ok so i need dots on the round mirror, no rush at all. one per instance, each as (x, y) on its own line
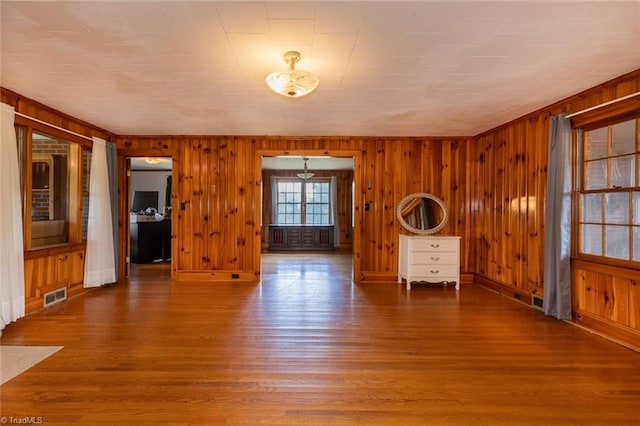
(422, 213)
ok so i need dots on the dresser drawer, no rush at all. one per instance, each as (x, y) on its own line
(436, 272)
(436, 244)
(434, 258)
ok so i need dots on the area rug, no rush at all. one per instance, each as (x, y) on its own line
(17, 359)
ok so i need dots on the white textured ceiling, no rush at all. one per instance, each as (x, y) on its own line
(410, 68)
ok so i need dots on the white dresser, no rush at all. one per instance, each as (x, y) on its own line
(433, 259)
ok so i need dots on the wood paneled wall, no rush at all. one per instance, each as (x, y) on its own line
(494, 185)
(217, 199)
(507, 204)
(49, 115)
(52, 268)
(344, 184)
(507, 185)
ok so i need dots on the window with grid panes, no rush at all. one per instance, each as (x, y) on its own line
(289, 203)
(302, 202)
(609, 223)
(316, 203)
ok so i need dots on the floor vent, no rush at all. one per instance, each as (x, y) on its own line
(536, 301)
(55, 297)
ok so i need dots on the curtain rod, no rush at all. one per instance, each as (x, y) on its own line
(603, 104)
(54, 126)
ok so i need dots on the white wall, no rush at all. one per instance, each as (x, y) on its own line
(150, 181)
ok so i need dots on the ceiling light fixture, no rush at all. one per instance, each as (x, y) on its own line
(152, 160)
(292, 83)
(305, 174)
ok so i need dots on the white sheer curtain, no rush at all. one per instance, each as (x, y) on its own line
(99, 265)
(557, 276)
(11, 244)
(333, 192)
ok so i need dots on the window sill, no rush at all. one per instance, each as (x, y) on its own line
(38, 252)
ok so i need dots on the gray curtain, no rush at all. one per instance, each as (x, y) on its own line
(274, 199)
(557, 277)
(112, 172)
(333, 192)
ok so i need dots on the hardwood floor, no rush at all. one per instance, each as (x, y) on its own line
(306, 346)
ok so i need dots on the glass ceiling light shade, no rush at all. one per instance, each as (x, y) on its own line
(152, 160)
(292, 83)
(305, 174)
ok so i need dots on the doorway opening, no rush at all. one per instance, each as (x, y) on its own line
(150, 183)
(308, 205)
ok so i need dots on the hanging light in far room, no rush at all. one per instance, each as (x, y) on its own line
(152, 160)
(305, 174)
(292, 83)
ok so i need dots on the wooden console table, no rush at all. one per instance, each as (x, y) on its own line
(301, 237)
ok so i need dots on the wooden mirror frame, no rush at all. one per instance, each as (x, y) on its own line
(420, 195)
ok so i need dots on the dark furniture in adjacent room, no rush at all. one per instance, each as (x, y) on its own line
(150, 241)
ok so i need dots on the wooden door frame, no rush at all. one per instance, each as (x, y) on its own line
(358, 210)
(124, 172)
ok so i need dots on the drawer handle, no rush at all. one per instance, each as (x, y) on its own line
(435, 245)
(435, 272)
(435, 258)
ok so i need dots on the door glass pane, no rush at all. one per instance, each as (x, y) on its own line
(595, 176)
(592, 239)
(617, 241)
(50, 191)
(596, 144)
(592, 208)
(623, 138)
(617, 208)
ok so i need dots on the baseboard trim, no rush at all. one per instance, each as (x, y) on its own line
(218, 276)
(608, 330)
(517, 294)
